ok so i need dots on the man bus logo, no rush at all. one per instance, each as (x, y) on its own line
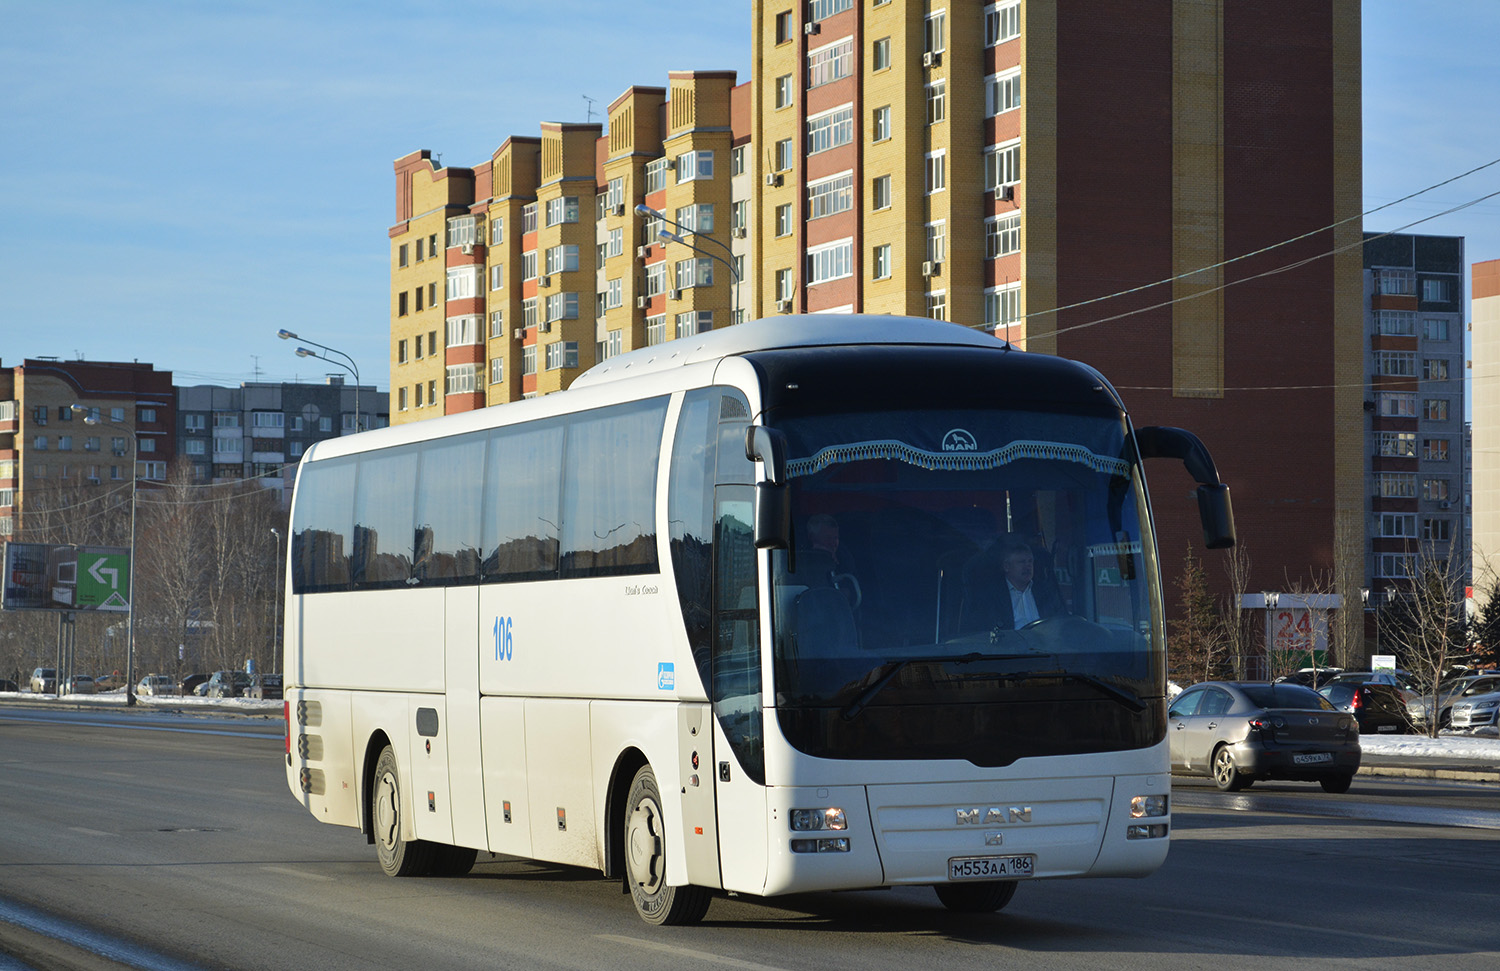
(959, 440)
(992, 815)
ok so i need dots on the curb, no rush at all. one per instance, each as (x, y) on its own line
(1452, 775)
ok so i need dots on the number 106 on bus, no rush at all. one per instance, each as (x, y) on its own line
(502, 639)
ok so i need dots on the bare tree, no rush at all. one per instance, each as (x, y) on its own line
(1425, 623)
(1196, 650)
(1237, 622)
(1346, 625)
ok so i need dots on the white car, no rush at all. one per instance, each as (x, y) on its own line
(156, 686)
(1476, 711)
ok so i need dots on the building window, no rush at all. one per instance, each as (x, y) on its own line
(829, 130)
(656, 279)
(401, 258)
(1396, 323)
(937, 171)
(1396, 364)
(784, 27)
(117, 414)
(267, 419)
(418, 307)
(696, 219)
(563, 209)
(737, 157)
(464, 330)
(463, 282)
(497, 230)
(497, 277)
(400, 356)
(1435, 449)
(1401, 445)
(698, 272)
(1398, 525)
(196, 423)
(1002, 235)
(528, 312)
(459, 379)
(693, 322)
(1395, 566)
(1436, 290)
(784, 91)
(1435, 409)
(1002, 306)
(497, 324)
(497, 370)
(1435, 369)
(155, 471)
(562, 306)
(880, 192)
(614, 291)
(65, 443)
(784, 155)
(880, 126)
(937, 242)
(823, 9)
(656, 175)
(1435, 328)
(832, 261)
(401, 398)
(432, 391)
(739, 215)
(937, 305)
(562, 354)
(784, 284)
(829, 64)
(694, 165)
(937, 102)
(1396, 404)
(528, 359)
(461, 231)
(528, 265)
(1437, 530)
(616, 242)
(195, 446)
(1002, 22)
(1397, 485)
(880, 55)
(1002, 92)
(935, 33)
(881, 261)
(561, 259)
(418, 388)
(1435, 490)
(830, 196)
(1401, 283)
(784, 220)
(401, 299)
(656, 330)
(294, 449)
(1002, 165)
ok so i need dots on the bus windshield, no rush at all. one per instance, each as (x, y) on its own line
(973, 584)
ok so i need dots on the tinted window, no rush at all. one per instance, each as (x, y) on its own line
(690, 518)
(1216, 701)
(447, 524)
(322, 527)
(1339, 694)
(523, 474)
(384, 516)
(1284, 695)
(609, 491)
(1186, 704)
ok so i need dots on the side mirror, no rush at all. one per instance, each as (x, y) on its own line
(1214, 511)
(773, 509)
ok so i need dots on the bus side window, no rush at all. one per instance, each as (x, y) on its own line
(322, 534)
(450, 475)
(385, 497)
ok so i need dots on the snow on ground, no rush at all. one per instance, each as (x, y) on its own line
(192, 702)
(1447, 745)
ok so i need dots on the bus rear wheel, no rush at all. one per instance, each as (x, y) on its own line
(976, 898)
(645, 842)
(398, 857)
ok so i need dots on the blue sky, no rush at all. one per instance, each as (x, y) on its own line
(181, 178)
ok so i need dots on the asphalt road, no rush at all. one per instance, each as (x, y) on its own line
(173, 844)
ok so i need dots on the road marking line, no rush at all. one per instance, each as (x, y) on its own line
(93, 832)
(297, 873)
(687, 953)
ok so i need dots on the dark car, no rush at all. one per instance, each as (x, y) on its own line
(1238, 732)
(1378, 708)
(189, 684)
(1311, 677)
(264, 686)
(227, 684)
(8, 685)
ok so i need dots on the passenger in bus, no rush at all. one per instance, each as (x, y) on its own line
(1003, 589)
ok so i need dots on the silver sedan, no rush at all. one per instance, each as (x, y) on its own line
(1237, 732)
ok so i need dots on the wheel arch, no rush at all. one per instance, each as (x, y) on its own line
(373, 747)
(627, 764)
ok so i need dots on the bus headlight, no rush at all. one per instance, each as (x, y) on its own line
(810, 820)
(1143, 806)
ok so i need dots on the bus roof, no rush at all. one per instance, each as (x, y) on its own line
(790, 330)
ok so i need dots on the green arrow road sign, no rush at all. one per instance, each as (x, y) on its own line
(103, 581)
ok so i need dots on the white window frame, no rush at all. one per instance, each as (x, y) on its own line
(830, 261)
(937, 171)
(1002, 306)
(830, 196)
(1002, 22)
(459, 379)
(1002, 164)
(830, 129)
(465, 329)
(880, 262)
(463, 282)
(562, 209)
(1002, 92)
(830, 63)
(1002, 235)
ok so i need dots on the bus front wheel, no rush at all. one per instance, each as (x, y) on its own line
(645, 842)
(976, 898)
(398, 857)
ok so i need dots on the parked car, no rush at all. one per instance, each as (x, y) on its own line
(110, 682)
(1237, 732)
(1377, 708)
(79, 684)
(190, 684)
(1476, 710)
(1311, 677)
(1449, 693)
(157, 686)
(6, 684)
(264, 686)
(1399, 680)
(44, 681)
(227, 684)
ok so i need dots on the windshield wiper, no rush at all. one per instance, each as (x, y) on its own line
(1131, 701)
(894, 668)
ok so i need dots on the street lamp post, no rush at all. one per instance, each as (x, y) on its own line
(681, 237)
(135, 454)
(351, 367)
(276, 578)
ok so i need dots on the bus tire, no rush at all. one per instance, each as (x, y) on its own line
(453, 861)
(976, 898)
(398, 857)
(645, 843)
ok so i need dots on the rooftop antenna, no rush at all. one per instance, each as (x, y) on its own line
(589, 116)
(256, 359)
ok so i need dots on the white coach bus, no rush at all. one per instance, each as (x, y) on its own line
(748, 611)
